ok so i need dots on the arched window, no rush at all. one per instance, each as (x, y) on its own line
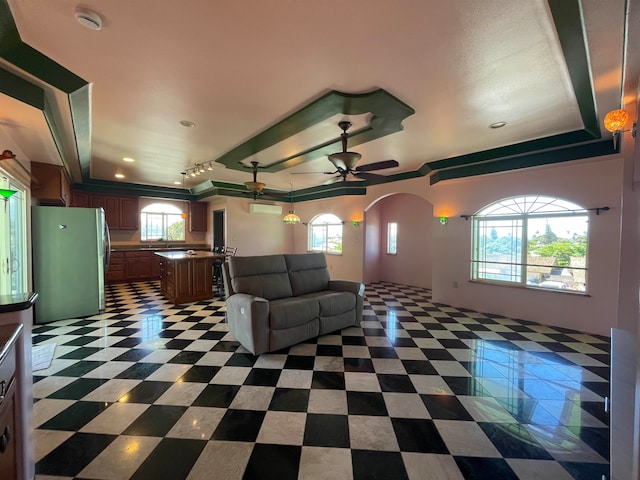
(532, 241)
(325, 234)
(161, 221)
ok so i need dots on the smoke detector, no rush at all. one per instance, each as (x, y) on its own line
(89, 19)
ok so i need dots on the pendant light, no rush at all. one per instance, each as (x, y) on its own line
(291, 218)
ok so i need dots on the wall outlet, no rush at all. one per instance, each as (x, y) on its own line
(455, 284)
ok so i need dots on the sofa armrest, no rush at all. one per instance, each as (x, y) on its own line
(356, 288)
(248, 318)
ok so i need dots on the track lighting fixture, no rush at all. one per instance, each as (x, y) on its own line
(198, 169)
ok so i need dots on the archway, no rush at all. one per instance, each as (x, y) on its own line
(412, 262)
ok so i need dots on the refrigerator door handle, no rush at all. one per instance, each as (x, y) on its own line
(107, 257)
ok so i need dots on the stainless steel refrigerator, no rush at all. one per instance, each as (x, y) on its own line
(70, 249)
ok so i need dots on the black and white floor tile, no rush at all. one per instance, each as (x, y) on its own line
(149, 390)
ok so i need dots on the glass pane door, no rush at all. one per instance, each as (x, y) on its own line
(13, 242)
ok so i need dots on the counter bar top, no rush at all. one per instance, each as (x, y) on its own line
(183, 255)
(17, 302)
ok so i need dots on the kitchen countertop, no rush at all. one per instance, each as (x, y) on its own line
(183, 255)
(17, 302)
(158, 248)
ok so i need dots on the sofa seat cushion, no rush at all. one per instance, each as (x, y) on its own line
(292, 312)
(333, 303)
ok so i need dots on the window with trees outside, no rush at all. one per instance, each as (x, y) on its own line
(392, 238)
(531, 241)
(325, 234)
(161, 222)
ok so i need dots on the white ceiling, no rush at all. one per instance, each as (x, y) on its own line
(237, 67)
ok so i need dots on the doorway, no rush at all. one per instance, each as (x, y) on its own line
(218, 228)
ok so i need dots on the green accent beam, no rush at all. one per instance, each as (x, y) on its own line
(21, 89)
(567, 17)
(23, 56)
(576, 152)
(134, 189)
(387, 115)
(387, 111)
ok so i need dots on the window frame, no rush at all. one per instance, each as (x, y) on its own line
(316, 224)
(520, 224)
(165, 219)
(392, 242)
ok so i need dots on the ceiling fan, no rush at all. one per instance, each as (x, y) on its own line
(345, 162)
(255, 187)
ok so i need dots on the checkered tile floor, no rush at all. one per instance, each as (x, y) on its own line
(421, 391)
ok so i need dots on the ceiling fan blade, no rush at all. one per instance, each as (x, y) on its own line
(368, 176)
(337, 179)
(313, 173)
(377, 166)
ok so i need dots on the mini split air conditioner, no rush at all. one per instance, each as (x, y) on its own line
(264, 209)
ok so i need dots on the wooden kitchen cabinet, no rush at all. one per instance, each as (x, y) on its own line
(8, 412)
(198, 216)
(137, 265)
(80, 198)
(186, 278)
(111, 207)
(133, 266)
(49, 185)
(121, 213)
(115, 274)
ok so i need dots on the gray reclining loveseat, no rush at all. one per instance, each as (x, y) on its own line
(274, 301)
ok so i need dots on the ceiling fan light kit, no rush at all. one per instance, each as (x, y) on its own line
(255, 187)
(345, 161)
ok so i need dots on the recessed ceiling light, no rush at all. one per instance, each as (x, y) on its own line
(177, 183)
(128, 159)
(119, 175)
(497, 125)
(187, 123)
(89, 19)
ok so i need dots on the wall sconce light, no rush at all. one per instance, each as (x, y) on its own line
(444, 221)
(356, 223)
(6, 155)
(614, 121)
(5, 194)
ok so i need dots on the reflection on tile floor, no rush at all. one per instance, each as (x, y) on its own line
(420, 391)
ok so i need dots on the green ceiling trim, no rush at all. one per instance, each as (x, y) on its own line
(80, 106)
(15, 51)
(134, 189)
(387, 115)
(555, 141)
(56, 133)
(567, 17)
(576, 152)
(21, 89)
(387, 111)
(23, 56)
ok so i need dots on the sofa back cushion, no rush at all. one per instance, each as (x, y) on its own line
(307, 272)
(262, 276)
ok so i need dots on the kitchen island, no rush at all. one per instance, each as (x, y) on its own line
(187, 277)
